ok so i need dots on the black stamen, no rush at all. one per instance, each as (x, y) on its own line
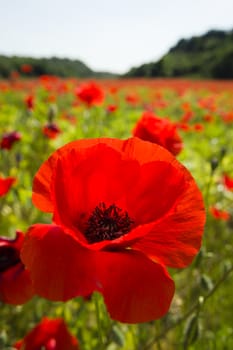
(107, 223)
(8, 257)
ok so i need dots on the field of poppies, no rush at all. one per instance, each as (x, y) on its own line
(116, 216)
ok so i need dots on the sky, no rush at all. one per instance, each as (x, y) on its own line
(106, 35)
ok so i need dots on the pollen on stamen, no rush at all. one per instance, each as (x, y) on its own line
(107, 223)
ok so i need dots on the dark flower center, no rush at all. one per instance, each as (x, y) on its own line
(8, 258)
(107, 223)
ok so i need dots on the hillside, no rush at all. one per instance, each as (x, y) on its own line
(206, 56)
(61, 67)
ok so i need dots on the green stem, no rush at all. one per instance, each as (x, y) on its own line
(98, 319)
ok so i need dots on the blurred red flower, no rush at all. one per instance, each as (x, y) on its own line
(227, 117)
(111, 108)
(9, 138)
(111, 233)
(228, 182)
(132, 99)
(5, 184)
(219, 214)
(49, 334)
(209, 118)
(198, 127)
(70, 118)
(30, 102)
(157, 130)
(15, 282)
(90, 93)
(26, 68)
(51, 130)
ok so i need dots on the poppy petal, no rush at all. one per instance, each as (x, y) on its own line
(15, 285)
(57, 264)
(41, 196)
(95, 177)
(159, 186)
(176, 238)
(135, 289)
(132, 148)
(5, 185)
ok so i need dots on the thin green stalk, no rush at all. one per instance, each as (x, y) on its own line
(98, 319)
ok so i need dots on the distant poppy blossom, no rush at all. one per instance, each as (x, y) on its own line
(49, 334)
(14, 75)
(187, 116)
(15, 282)
(183, 126)
(111, 108)
(228, 182)
(132, 99)
(198, 127)
(30, 102)
(158, 130)
(9, 138)
(5, 185)
(122, 211)
(26, 68)
(51, 130)
(208, 118)
(90, 93)
(227, 117)
(219, 214)
(70, 118)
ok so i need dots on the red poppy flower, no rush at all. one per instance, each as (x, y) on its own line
(219, 214)
(5, 184)
(208, 118)
(70, 118)
(122, 211)
(228, 182)
(227, 117)
(90, 93)
(198, 127)
(157, 130)
(132, 99)
(9, 138)
(15, 282)
(30, 101)
(183, 126)
(51, 130)
(111, 108)
(188, 115)
(49, 334)
(26, 68)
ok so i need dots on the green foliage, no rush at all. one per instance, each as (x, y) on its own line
(62, 67)
(206, 56)
(200, 316)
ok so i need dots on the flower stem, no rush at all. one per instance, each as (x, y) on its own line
(98, 319)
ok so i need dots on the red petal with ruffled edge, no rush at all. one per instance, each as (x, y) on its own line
(87, 178)
(41, 196)
(5, 185)
(133, 148)
(15, 282)
(173, 202)
(16, 286)
(135, 289)
(49, 334)
(176, 238)
(60, 268)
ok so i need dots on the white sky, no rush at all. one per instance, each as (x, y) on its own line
(106, 35)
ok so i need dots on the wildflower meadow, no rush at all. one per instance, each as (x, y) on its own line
(116, 216)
